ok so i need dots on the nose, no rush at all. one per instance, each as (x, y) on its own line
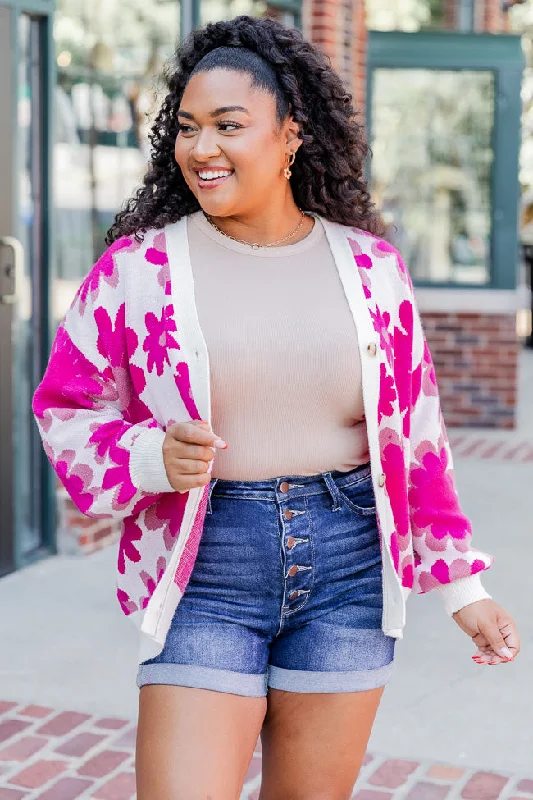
(206, 145)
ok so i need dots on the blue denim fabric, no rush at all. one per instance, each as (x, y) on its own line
(286, 591)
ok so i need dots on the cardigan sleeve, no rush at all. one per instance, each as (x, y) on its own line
(444, 557)
(110, 465)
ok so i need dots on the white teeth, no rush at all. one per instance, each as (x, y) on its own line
(210, 176)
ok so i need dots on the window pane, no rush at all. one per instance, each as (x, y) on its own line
(215, 10)
(404, 15)
(431, 169)
(109, 54)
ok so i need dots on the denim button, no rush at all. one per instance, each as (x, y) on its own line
(284, 487)
(294, 595)
(288, 513)
(290, 542)
(292, 571)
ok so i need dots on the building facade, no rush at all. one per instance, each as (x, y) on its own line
(441, 97)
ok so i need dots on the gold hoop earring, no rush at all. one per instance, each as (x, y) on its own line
(287, 171)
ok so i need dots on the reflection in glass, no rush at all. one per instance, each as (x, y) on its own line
(26, 322)
(404, 15)
(109, 55)
(431, 169)
(213, 10)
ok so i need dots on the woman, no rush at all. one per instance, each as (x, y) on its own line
(282, 497)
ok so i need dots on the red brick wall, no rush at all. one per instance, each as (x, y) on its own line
(493, 16)
(359, 39)
(78, 534)
(338, 27)
(450, 14)
(476, 361)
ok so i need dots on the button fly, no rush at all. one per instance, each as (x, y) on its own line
(292, 571)
(284, 487)
(288, 513)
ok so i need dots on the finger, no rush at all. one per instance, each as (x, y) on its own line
(195, 434)
(496, 640)
(189, 466)
(481, 658)
(512, 640)
(480, 641)
(197, 452)
(186, 483)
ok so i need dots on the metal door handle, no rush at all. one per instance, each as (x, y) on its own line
(11, 269)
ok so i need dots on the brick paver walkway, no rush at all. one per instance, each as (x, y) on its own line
(498, 447)
(47, 754)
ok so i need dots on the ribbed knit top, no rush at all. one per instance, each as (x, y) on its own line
(284, 360)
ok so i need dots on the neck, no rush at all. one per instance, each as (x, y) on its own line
(266, 225)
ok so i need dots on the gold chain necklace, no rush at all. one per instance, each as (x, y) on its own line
(256, 246)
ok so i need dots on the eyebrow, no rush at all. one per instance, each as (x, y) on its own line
(216, 113)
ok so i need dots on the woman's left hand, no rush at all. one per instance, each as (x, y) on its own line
(492, 630)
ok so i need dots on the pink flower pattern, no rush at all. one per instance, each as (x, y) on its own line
(387, 394)
(157, 255)
(106, 270)
(118, 344)
(159, 339)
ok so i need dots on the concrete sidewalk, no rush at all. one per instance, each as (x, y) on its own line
(66, 645)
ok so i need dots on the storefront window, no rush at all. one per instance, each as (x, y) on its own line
(431, 169)
(405, 15)
(109, 55)
(214, 10)
(286, 11)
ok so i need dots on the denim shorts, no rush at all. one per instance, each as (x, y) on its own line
(286, 591)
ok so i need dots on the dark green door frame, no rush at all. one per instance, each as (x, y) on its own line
(43, 10)
(502, 55)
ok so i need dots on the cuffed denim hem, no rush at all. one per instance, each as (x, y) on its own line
(297, 680)
(197, 677)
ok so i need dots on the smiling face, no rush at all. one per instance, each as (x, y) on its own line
(230, 147)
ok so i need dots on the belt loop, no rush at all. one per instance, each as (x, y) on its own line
(210, 492)
(333, 490)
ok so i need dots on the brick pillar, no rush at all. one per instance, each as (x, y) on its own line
(493, 16)
(78, 534)
(338, 27)
(359, 44)
(450, 14)
(322, 26)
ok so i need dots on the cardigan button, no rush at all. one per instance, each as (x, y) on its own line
(372, 348)
(382, 480)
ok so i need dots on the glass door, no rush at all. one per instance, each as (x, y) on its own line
(23, 242)
(27, 324)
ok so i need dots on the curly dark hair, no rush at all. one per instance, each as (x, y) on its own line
(328, 175)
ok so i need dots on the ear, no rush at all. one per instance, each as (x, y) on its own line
(293, 141)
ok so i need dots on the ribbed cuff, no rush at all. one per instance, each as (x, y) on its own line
(147, 466)
(462, 592)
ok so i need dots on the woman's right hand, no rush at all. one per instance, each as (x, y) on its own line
(187, 451)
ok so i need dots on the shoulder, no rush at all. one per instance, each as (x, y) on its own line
(377, 254)
(129, 259)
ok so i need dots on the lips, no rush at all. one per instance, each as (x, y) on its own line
(220, 176)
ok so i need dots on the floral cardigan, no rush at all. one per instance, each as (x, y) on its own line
(129, 359)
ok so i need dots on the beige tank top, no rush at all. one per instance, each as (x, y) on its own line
(284, 360)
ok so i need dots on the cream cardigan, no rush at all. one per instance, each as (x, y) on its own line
(130, 359)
